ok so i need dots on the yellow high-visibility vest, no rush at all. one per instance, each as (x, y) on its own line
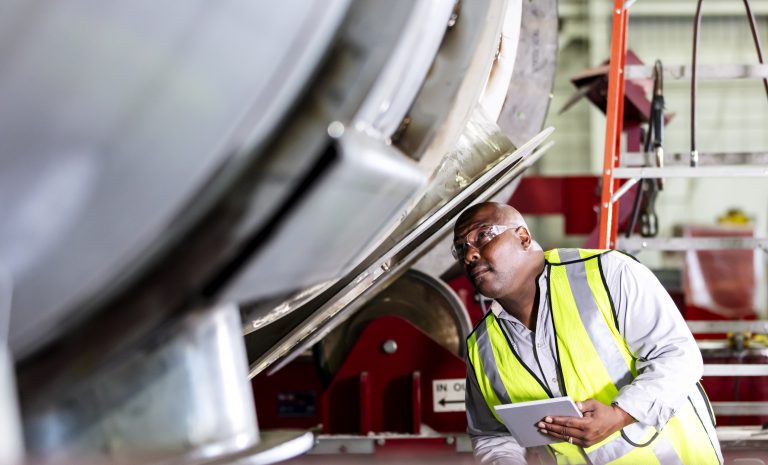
(595, 363)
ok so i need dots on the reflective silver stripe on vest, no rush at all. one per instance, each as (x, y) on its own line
(664, 451)
(701, 410)
(489, 361)
(593, 321)
(619, 447)
(616, 448)
(545, 454)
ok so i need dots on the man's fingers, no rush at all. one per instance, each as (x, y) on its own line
(571, 422)
(563, 430)
(564, 437)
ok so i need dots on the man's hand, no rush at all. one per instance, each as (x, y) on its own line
(599, 422)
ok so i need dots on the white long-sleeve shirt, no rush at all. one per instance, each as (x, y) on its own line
(669, 363)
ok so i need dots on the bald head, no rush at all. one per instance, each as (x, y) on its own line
(503, 213)
(495, 247)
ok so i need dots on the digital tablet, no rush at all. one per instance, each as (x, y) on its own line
(521, 418)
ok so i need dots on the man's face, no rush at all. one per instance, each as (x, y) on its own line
(494, 266)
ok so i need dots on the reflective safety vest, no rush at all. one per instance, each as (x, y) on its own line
(595, 362)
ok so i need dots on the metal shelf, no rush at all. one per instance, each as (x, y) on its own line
(698, 327)
(683, 244)
(611, 191)
(703, 72)
(721, 171)
(735, 369)
(740, 408)
(637, 159)
(742, 437)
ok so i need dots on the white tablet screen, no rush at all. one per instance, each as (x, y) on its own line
(521, 418)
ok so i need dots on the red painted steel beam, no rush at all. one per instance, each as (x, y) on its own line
(365, 404)
(416, 402)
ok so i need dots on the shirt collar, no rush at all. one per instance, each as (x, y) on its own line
(501, 314)
(497, 310)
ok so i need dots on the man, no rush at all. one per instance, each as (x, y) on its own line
(593, 325)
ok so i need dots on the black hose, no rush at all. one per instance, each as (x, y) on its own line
(635, 208)
(756, 39)
(654, 131)
(696, 26)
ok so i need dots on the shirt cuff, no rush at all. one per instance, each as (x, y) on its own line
(643, 407)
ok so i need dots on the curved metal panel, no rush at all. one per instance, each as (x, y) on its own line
(421, 299)
(115, 117)
(385, 268)
(530, 89)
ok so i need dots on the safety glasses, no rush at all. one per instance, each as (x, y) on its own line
(478, 238)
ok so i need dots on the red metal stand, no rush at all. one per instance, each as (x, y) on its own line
(399, 379)
(365, 405)
(613, 126)
(416, 402)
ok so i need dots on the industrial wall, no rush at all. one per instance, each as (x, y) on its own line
(732, 116)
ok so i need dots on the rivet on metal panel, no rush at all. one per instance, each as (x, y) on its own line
(336, 129)
(390, 346)
(398, 134)
(454, 15)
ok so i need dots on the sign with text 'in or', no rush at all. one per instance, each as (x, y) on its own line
(448, 395)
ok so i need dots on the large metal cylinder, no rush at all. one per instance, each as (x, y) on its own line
(167, 168)
(182, 394)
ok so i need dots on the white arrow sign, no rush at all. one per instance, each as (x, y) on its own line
(448, 395)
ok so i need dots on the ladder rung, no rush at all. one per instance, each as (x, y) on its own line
(723, 171)
(635, 159)
(740, 408)
(698, 327)
(735, 369)
(683, 244)
(703, 72)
